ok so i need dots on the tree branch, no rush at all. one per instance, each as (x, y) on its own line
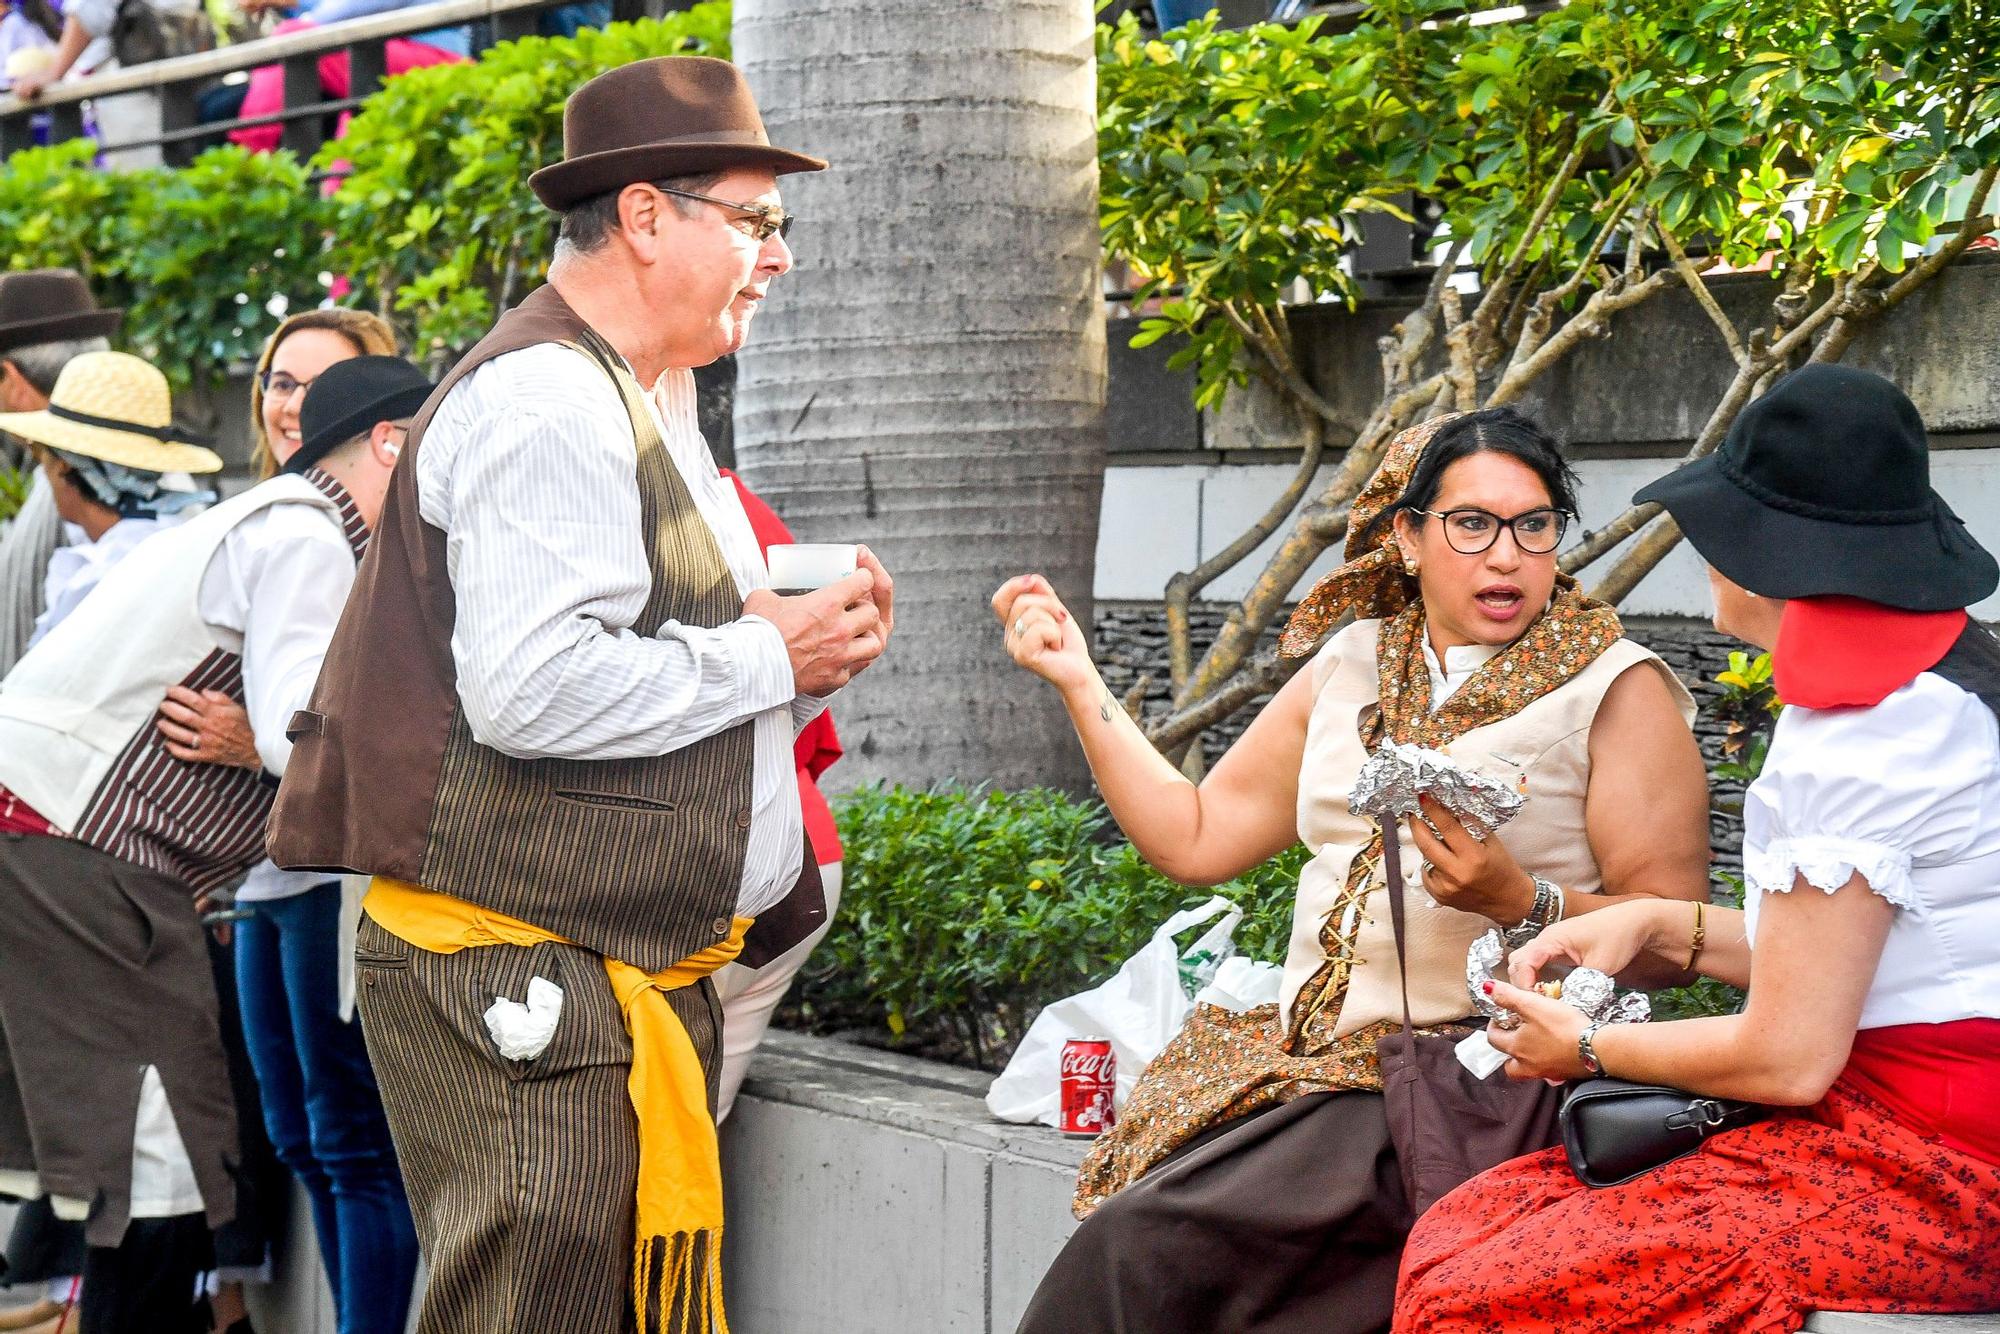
(1263, 675)
(1651, 548)
(1691, 279)
(1588, 323)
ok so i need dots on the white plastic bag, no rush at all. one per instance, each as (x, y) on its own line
(1242, 983)
(1140, 1009)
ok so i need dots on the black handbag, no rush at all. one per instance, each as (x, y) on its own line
(1614, 1130)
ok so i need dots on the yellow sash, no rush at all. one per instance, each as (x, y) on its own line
(680, 1170)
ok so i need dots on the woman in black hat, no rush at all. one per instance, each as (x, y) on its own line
(1872, 876)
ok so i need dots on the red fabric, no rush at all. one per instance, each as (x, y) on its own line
(818, 745)
(1840, 1207)
(1943, 1079)
(17, 817)
(266, 95)
(1836, 652)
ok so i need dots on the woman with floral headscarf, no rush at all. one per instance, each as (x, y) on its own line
(1251, 1183)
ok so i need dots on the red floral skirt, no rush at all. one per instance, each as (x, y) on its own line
(1834, 1207)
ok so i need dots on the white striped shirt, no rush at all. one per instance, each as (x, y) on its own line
(530, 471)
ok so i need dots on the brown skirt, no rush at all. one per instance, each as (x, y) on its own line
(1288, 1221)
(106, 972)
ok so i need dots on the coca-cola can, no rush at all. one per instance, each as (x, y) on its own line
(1089, 1078)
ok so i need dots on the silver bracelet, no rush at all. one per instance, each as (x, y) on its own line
(1547, 911)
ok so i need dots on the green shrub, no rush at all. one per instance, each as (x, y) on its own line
(435, 219)
(963, 912)
(205, 260)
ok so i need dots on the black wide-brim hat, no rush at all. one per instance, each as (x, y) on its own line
(1823, 487)
(349, 397)
(652, 119)
(50, 306)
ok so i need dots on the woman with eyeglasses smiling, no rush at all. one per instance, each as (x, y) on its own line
(293, 358)
(1253, 1181)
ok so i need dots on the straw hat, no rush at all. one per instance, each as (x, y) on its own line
(114, 407)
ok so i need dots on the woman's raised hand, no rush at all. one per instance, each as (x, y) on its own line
(1041, 634)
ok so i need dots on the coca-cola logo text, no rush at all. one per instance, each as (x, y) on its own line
(1086, 1065)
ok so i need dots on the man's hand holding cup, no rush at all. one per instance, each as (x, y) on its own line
(834, 624)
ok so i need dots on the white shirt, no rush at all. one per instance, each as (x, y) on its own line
(276, 586)
(1460, 663)
(529, 469)
(1907, 794)
(74, 570)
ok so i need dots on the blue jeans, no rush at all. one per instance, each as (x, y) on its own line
(321, 1108)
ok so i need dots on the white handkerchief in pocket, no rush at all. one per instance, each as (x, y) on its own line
(522, 1032)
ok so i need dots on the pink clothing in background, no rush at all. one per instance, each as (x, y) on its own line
(267, 85)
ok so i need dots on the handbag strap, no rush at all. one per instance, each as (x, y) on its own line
(1392, 875)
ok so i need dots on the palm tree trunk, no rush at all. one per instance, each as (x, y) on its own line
(930, 380)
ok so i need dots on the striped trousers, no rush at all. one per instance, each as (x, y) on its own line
(522, 1175)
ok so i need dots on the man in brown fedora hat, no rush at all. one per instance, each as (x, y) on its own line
(556, 727)
(47, 316)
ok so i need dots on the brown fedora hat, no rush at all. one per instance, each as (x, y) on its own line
(651, 119)
(48, 306)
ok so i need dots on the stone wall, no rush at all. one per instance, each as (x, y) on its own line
(1132, 645)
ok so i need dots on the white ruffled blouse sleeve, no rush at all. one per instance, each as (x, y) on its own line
(1880, 791)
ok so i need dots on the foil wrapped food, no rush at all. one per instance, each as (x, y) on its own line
(1588, 989)
(1394, 777)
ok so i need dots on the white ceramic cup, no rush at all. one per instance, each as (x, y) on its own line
(803, 566)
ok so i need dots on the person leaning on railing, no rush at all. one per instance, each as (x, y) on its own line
(99, 36)
(264, 95)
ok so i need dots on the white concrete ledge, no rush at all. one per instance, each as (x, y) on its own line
(872, 1194)
(1833, 1322)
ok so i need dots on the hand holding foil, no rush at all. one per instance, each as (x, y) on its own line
(1593, 992)
(1394, 777)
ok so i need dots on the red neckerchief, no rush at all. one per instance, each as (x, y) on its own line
(1842, 652)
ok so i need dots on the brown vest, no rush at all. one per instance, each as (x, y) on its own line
(638, 859)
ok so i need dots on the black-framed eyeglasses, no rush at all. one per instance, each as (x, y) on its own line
(1471, 531)
(771, 219)
(281, 384)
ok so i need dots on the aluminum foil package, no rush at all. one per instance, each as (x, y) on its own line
(1589, 990)
(1394, 777)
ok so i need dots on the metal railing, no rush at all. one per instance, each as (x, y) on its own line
(307, 116)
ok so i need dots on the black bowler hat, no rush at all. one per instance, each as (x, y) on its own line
(349, 397)
(1823, 486)
(49, 306)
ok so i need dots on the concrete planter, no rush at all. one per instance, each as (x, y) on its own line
(869, 1193)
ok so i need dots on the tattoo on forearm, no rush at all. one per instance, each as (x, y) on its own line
(1104, 709)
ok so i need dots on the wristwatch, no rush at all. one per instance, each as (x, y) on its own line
(1585, 1052)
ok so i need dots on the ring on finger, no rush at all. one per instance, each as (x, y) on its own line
(1507, 1022)
(1020, 627)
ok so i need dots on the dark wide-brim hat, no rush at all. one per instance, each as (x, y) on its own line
(49, 306)
(349, 397)
(651, 119)
(1822, 487)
